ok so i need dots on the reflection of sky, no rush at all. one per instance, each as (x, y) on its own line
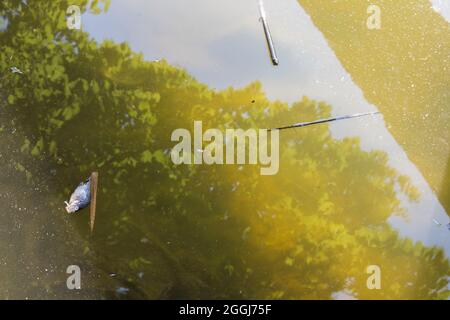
(222, 44)
(3, 24)
(443, 7)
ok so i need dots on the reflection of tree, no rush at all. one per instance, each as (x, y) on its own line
(403, 69)
(204, 231)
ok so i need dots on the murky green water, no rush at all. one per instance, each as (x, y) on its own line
(349, 195)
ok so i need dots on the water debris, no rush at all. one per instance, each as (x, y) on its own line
(16, 70)
(122, 290)
(263, 19)
(80, 198)
(437, 222)
(94, 185)
(85, 194)
(304, 124)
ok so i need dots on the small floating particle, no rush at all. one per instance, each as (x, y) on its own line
(437, 222)
(16, 70)
(122, 290)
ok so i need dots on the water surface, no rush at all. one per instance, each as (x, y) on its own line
(348, 195)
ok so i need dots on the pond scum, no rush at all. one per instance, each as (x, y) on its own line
(201, 231)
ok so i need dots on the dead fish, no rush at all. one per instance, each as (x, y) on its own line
(80, 198)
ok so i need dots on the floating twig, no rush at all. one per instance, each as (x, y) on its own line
(304, 124)
(94, 185)
(263, 19)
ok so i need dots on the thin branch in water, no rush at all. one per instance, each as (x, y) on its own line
(273, 54)
(94, 185)
(305, 124)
